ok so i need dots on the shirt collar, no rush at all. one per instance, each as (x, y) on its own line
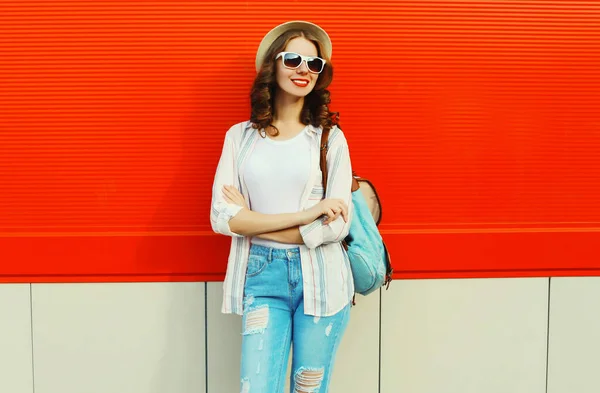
(316, 130)
(310, 127)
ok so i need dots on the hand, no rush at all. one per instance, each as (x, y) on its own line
(232, 195)
(332, 208)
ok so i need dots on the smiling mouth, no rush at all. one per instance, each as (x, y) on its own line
(300, 82)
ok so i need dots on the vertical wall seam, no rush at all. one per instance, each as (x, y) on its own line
(548, 333)
(206, 336)
(31, 327)
(379, 372)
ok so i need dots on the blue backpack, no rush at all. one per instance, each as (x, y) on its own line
(369, 259)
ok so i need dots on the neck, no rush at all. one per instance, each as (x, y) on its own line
(287, 108)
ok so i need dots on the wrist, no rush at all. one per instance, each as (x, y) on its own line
(304, 217)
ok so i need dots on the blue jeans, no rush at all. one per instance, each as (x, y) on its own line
(274, 319)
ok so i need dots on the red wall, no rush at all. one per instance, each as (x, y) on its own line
(478, 122)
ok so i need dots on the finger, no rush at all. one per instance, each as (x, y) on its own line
(345, 215)
(332, 219)
(344, 212)
(330, 216)
(238, 197)
(227, 193)
(338, 212)
(229, 200)
(238, 200)
(233, 190)
(232, 198)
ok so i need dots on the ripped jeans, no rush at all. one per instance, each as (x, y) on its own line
(274, 319)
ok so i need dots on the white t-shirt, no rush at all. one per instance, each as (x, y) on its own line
(275, 175)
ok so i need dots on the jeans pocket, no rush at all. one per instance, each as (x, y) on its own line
(256, 264)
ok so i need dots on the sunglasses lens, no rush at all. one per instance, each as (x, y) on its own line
(291, 60)
(315, 65)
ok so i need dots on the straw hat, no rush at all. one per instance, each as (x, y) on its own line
(272, 35)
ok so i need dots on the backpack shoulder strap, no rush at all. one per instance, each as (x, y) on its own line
(323, 163)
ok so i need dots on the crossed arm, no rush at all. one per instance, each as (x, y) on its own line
(231, 216)
(283, 228)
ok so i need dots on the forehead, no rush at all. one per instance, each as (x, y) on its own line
(302, 46)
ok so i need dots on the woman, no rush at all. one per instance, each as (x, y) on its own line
(287, 273)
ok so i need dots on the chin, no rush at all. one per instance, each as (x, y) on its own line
(299, 91)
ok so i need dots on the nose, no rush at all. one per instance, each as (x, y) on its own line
(303, 69)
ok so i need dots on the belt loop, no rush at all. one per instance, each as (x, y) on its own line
(270, 254)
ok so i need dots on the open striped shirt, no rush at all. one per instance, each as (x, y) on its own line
(328, 283)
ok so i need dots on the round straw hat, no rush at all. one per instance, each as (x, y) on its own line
(272, 35)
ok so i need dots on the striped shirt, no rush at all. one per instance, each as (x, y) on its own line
(328, 283)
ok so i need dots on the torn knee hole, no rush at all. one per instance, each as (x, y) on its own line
(256, 320)
(308, 381)
(245, 388)
(248, 300)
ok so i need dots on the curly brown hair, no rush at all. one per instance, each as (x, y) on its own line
(315, 110)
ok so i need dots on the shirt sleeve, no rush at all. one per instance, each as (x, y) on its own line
(339, 183)
(222, 211)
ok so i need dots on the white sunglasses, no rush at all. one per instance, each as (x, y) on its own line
(293, 60)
